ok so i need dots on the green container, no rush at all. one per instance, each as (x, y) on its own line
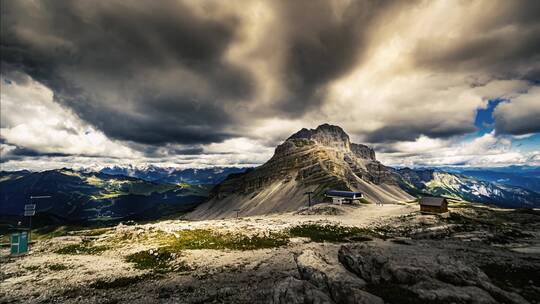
(19, 243)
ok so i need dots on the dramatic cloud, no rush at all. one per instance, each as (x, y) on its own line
(486, 150)
(223, 82)
(520, 115)
(32, 124)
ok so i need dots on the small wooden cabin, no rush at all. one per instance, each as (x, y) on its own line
(433, 204)
(341, 197)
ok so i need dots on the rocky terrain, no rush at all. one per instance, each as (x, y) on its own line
(323, 254)
(310, 160)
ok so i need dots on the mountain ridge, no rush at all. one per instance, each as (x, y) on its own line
(310, 160)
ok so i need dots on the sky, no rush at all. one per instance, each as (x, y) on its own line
(220, 83)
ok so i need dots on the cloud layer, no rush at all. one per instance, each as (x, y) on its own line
(162, 80)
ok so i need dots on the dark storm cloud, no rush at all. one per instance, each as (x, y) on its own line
(410, 132)
(520, 115)
(323, 42)
(525, 125)
(142, 71)
(21, 153)
(155, 72)
(159, 73)
(505, 43)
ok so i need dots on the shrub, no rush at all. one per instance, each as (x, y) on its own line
(84, 248)
(330, 233)
(57, 267)
(159, 260)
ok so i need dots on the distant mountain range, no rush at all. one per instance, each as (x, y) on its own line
(205, 176)
(520, 176)
(308, 161)
(459, 186)
(85, 196)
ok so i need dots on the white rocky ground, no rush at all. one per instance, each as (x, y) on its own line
(415, 259)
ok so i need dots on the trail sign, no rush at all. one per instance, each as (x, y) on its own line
(30, 207)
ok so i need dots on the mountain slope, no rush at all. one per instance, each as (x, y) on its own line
(310, 160)
(438, 183)
(78, 196)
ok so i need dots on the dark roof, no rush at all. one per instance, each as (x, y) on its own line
(345, 194)
(432, 201)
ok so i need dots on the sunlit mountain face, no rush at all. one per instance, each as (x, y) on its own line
(197, 84)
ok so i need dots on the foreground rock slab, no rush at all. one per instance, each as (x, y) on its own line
(423, 273)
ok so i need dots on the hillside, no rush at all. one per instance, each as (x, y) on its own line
(439, 183)
(310, 160)
(78, 196)
(527, 177)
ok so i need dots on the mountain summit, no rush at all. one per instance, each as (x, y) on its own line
(312, 160)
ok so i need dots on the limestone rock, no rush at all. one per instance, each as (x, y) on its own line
(294, 291)
(333, 279)
(429, 274)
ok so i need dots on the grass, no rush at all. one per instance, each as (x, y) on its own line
(57, 267)
(208, 239)
(159, 260)
(85, 247)
(331, 233)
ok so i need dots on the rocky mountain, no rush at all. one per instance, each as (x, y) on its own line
(192, 176)
(79, 196)
(308, 161)
(439, 183)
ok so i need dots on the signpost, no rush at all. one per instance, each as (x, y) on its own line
(21, 238)
(30, 211)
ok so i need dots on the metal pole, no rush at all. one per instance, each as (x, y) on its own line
(35, 211)
(309, 197)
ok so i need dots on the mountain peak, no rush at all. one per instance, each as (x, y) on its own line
(334, 137)
(326, 135)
